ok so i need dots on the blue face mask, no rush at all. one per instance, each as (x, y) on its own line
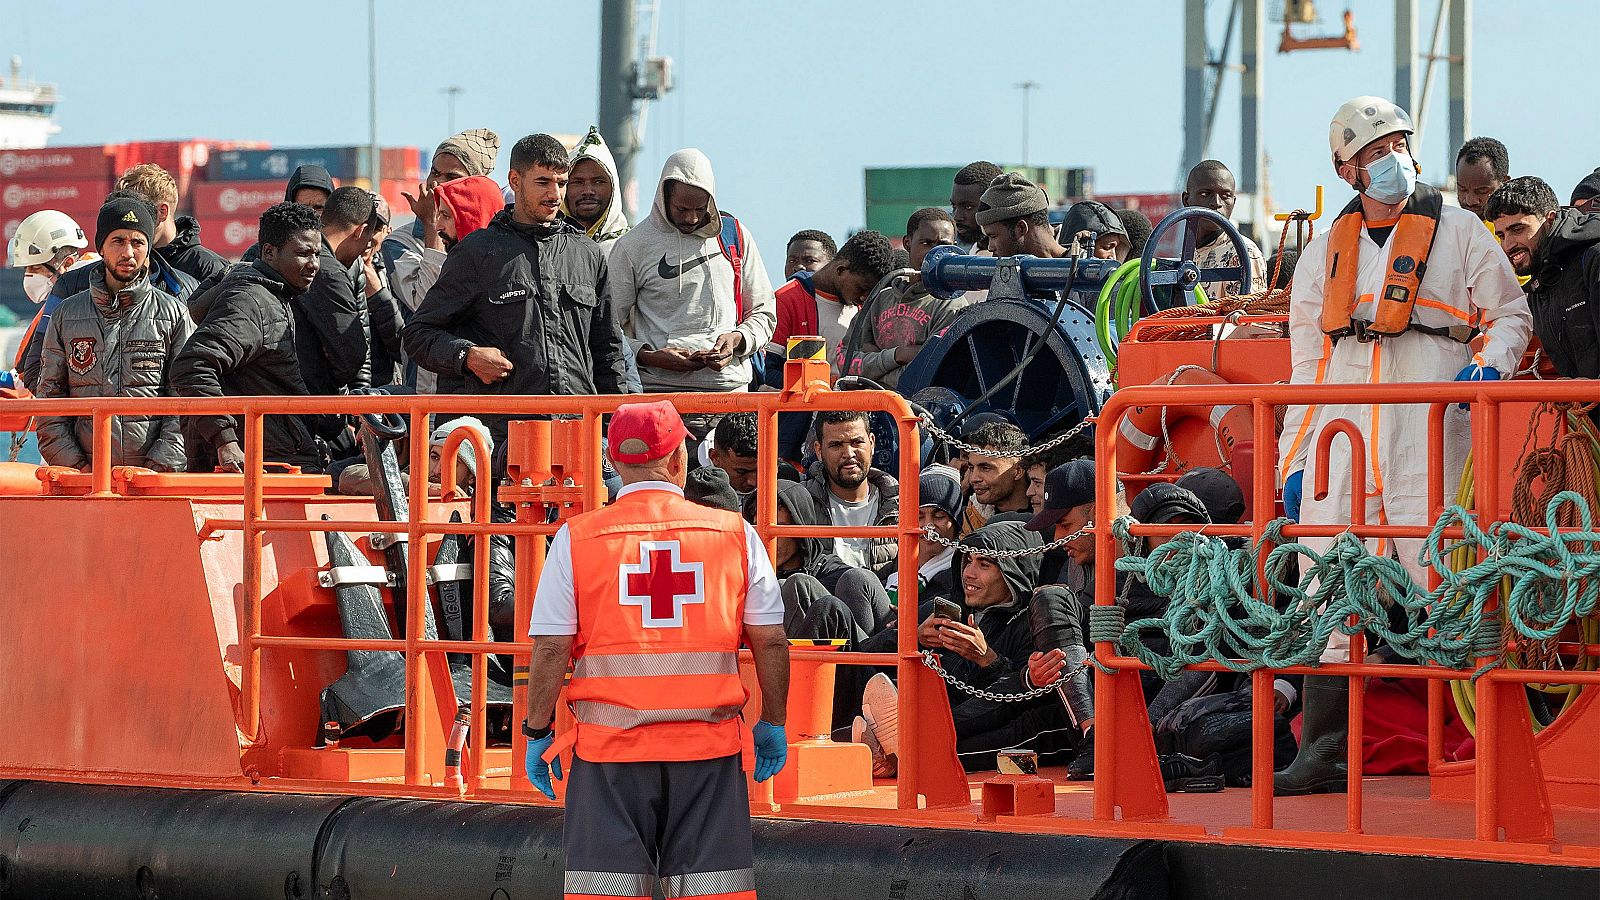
(1392, 178)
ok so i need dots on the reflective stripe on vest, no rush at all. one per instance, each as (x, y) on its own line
(612, 715)
(705, 884)
(651, 665)
(1391, 312)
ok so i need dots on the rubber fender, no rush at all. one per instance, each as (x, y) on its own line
(417, 849)
(827, 861)
(75, 841)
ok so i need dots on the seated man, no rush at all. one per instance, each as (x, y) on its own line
(823, 595)
(999, 481)
(939, 509)
(847, 490)
(732, 449)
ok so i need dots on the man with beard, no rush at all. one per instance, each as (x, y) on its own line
(965, 196)
(1210, 185)
(848, 491)
(523, 305)
(116, 339)
(471, 153)
(1482, 166)
(1560, 249)
(244, 346)
(591, 191)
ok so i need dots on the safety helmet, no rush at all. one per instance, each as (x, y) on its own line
(1361, 121)
(42, 236)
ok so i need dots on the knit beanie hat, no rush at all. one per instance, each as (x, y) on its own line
(124, 212)
(940, 487)
(709, 486)
(1588, 187)
(442, 434)
(477, 148)
(1011, 197)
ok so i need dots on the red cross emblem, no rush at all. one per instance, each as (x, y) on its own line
(661, 584)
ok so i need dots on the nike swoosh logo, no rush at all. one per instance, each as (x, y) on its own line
(669, 271)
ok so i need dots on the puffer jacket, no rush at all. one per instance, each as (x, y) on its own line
(101, 344)
(885, 551)
(75, 281)
(187, 255)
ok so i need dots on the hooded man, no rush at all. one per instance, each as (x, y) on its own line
(244, 345)
(1586, 194)
(823, 596)
(309, 185)
(116, 339)
(692, 316)
(1094, 230)
(939, 510)
(522, 306)
(902, 316)
(1393, 292)
(1560, 249)
(591, 204)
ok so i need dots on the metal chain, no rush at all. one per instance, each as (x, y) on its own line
(948, 438)
(931, 660)
(986, 553)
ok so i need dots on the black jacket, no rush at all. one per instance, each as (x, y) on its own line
(885, 551)
(243, 346)
(815, 557)
(1008, 629)
(76, 281)
(330, 330)
(188, 256)
(540, 295)
(383, 335)
(1564, 294)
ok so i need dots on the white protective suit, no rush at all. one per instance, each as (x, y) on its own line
(1467, 272)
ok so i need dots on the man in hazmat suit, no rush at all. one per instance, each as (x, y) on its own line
(1393, 292)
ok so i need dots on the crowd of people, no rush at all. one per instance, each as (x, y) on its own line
(543, 286)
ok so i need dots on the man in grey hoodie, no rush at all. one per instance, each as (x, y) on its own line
(690, 318)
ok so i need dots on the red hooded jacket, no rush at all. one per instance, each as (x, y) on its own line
(473, 201)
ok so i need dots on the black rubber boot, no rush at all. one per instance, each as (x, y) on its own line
(1319, 767)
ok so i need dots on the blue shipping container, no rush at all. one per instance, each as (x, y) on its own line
(268, 165)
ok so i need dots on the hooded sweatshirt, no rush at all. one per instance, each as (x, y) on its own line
(308, 176)
(1006, 626)
(815, 557)
(1564, 294)
(902, 314)
(473, 201)
(671, 289)
(612, 224)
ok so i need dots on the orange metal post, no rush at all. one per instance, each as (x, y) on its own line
(1263, 486)
(480, 584)
(100, 455)
(250, 628)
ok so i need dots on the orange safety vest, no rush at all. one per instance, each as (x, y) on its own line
(1390, 312)
(660, 584)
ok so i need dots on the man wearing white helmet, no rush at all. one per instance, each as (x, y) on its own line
(1392, 293)
(46, 244)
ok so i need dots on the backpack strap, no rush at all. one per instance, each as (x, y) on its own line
(733, 248)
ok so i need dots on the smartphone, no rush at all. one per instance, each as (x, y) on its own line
(947, 608)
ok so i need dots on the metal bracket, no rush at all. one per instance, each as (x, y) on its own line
(383, 540)
(449, 572)
(339, 576)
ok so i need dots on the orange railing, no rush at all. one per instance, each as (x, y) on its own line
(419, 752)
(1509, 794)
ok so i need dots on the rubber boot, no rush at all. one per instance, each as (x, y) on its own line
(1319, 767)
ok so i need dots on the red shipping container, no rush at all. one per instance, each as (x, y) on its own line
(55, 163)
(1155, 206)
(229, 235)
(62, 194)
(235, 199)
(402, 164)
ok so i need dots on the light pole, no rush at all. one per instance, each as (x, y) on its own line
(450, 93)
(1027, 88)
(374, 159)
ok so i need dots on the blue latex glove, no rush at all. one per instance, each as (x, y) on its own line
(1292, 488)
(539, 771)
(1475, 372)
(772, 749)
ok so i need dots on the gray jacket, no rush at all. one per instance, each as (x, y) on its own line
(884, 550)
(104, 345)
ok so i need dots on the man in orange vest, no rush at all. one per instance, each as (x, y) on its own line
(649, 599)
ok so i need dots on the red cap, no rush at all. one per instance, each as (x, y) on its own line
(641, 432)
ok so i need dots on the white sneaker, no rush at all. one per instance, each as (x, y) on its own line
(880, 705)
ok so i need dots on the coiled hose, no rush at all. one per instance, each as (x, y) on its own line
(1118, 307)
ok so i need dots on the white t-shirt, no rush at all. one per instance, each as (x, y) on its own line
(555, 603)
(833, 320)
(854, 551)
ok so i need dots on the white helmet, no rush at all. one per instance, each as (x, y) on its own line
(42, 236)
(1361, 121)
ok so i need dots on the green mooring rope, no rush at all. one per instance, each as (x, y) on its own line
(1214, 615)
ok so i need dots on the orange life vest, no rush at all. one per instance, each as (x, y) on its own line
(660, 583)
(1390, 312)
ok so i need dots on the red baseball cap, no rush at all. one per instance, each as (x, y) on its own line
(641, 432)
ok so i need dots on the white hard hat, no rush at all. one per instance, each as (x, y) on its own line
(1363, 120)
(42, 236)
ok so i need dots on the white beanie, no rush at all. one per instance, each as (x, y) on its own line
(442, 434)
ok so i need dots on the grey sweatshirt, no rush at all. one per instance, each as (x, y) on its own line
(902, 314)
(671, 289)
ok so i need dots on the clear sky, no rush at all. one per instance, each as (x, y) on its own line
(792, 100)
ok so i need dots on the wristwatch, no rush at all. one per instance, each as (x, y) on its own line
(536, 734)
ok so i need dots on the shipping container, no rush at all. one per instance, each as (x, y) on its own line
(229, 235)
(266, 165)
(63, 194)
(1153, 204)
(893, 194)
(57, 163)
(403, 164)
(235, 198)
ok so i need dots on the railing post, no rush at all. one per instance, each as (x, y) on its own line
(418, 751)
(254, 518)
(1264, 481)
